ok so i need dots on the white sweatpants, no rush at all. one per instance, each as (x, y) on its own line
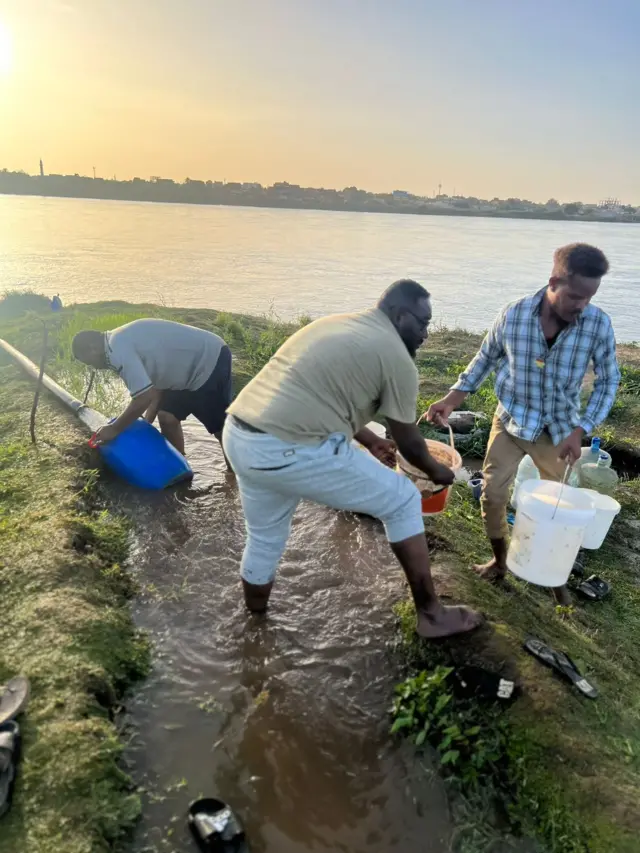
(273, 476)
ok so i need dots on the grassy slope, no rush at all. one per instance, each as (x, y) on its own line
(577, 784)
(66, 621)
(577, 761)
(67, 625)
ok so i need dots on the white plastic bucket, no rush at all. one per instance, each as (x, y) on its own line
(523, 489)
(606, 510)
(545, 540)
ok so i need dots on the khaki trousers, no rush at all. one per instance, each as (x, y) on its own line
(504, 454)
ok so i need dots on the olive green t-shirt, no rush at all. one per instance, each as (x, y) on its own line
(333, 376)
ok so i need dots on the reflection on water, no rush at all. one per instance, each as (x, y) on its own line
(298, 261)
(286, 717)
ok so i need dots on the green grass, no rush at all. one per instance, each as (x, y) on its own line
(66, 624)
(16, 303)
(572, 766)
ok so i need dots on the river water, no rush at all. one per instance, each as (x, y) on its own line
(284, 717)
(296, 262)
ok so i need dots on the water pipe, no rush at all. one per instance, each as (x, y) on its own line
(89, 417)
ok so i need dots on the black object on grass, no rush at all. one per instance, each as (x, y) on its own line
(562, 664)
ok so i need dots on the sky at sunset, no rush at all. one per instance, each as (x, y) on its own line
(527, 98)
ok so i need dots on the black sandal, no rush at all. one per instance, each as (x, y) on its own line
(594, 588)
(10, 744)
(473, 682)
(561, 663)
(216, 828)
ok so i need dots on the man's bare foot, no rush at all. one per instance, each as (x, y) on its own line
(447, 621)
(491, 571)
(563, 596)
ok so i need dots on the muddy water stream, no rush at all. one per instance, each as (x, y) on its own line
(284, 717)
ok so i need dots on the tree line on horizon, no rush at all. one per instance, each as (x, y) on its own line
(285, 195)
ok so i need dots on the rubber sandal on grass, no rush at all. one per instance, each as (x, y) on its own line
(594, 588)
(14, 697)
(473, 682)
(10, 743)
(561, 663)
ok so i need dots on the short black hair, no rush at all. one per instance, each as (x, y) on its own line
(403, 294)
(579, 259)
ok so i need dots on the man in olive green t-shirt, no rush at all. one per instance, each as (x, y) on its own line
(289, 437)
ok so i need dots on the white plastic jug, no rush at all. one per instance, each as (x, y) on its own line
(526, 471)
(606, 510)
(546, 540)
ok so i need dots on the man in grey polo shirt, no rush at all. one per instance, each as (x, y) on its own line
(171, 370)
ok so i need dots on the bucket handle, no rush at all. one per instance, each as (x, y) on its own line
(451, 439)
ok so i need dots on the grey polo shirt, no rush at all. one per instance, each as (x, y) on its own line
(163, 355)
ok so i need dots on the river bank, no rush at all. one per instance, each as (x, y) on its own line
(66, 624)
(563, 769)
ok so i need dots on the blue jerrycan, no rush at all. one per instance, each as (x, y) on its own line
(142, 456)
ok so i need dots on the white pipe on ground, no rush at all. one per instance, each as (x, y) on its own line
(89, 417)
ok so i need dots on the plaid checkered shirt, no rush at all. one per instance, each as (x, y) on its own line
(539, 387)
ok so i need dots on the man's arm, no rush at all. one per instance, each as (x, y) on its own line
(475, 374)
(411, 445)
(607, 372)
(383, 449)
(152, 412)
(134, 410)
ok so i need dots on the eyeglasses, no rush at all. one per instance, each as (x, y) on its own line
(422, 321)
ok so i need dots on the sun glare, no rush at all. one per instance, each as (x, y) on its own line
(5, 49)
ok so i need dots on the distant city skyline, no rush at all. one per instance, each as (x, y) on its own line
(288, 195)
(440, 191)
(495, 99)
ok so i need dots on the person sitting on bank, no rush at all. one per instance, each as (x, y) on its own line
(56, 303)
(170, 369)
(541, 349)
(289, 437)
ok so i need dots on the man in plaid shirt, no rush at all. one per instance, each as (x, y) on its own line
(540, 348)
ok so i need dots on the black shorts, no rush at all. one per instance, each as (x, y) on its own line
(209, 403)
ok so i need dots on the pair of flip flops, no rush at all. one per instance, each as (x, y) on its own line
(216, 828)
(562, 664)
(593, 588)
(13, 700)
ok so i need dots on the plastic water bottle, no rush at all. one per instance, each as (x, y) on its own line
(590, 455)
(599, 476)
(527, 470)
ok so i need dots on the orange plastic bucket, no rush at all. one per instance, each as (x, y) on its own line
(436, 502)
(434, 498)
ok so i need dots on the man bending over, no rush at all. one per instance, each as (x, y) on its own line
(289, 434)
(171, 370)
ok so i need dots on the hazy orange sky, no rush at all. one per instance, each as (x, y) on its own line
(535, 98)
